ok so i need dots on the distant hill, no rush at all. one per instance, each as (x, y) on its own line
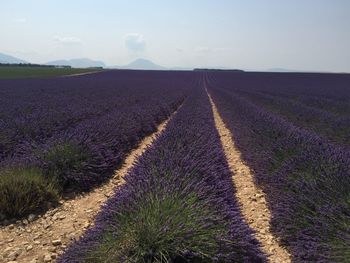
(78, 63)
(10, 59)
(141, 64)
(138, 64)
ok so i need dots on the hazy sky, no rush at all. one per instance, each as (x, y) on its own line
(248, 34)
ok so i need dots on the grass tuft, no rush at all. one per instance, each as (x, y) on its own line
(24, 191)
(60, 160)
(162, 229)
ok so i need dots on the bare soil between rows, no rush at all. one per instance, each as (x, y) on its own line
(81, 74)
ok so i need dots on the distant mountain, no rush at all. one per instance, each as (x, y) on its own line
(141, 64)
(78, 63)
(10, 59)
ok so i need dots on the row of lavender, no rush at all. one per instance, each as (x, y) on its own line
(324, 87)
(78, 130)
(306, 177)
(177, 204)
(334, 125)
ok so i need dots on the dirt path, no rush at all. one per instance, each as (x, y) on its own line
(81, 74)
(46, 237)
(251, 199)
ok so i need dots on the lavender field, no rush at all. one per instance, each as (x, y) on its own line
(77, 131)
(293, 131)
(178, 201)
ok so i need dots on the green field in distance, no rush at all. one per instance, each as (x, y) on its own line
(14, 72)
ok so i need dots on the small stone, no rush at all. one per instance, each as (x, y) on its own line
(56, 242)
(28, 248)
(45, 242)
(25, 222)
(10, 240)
(51, 249)
(7, 251)
(61, 217)
(33, 261)
(53, 255)
(14, 254)
(31, 217)
(37, 242)
(47, 258)
(12, 226)
(37, 236)
(272, 249)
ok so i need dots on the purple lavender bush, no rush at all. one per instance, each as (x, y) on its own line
(177, 204)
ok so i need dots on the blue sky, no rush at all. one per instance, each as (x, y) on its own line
(249, 34)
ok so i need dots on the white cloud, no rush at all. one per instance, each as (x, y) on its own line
(67, 40)
(20, 20)
(135, 42)
(179, 50)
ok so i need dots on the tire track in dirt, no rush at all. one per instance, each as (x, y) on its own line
(251, 199)
(46, 237)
